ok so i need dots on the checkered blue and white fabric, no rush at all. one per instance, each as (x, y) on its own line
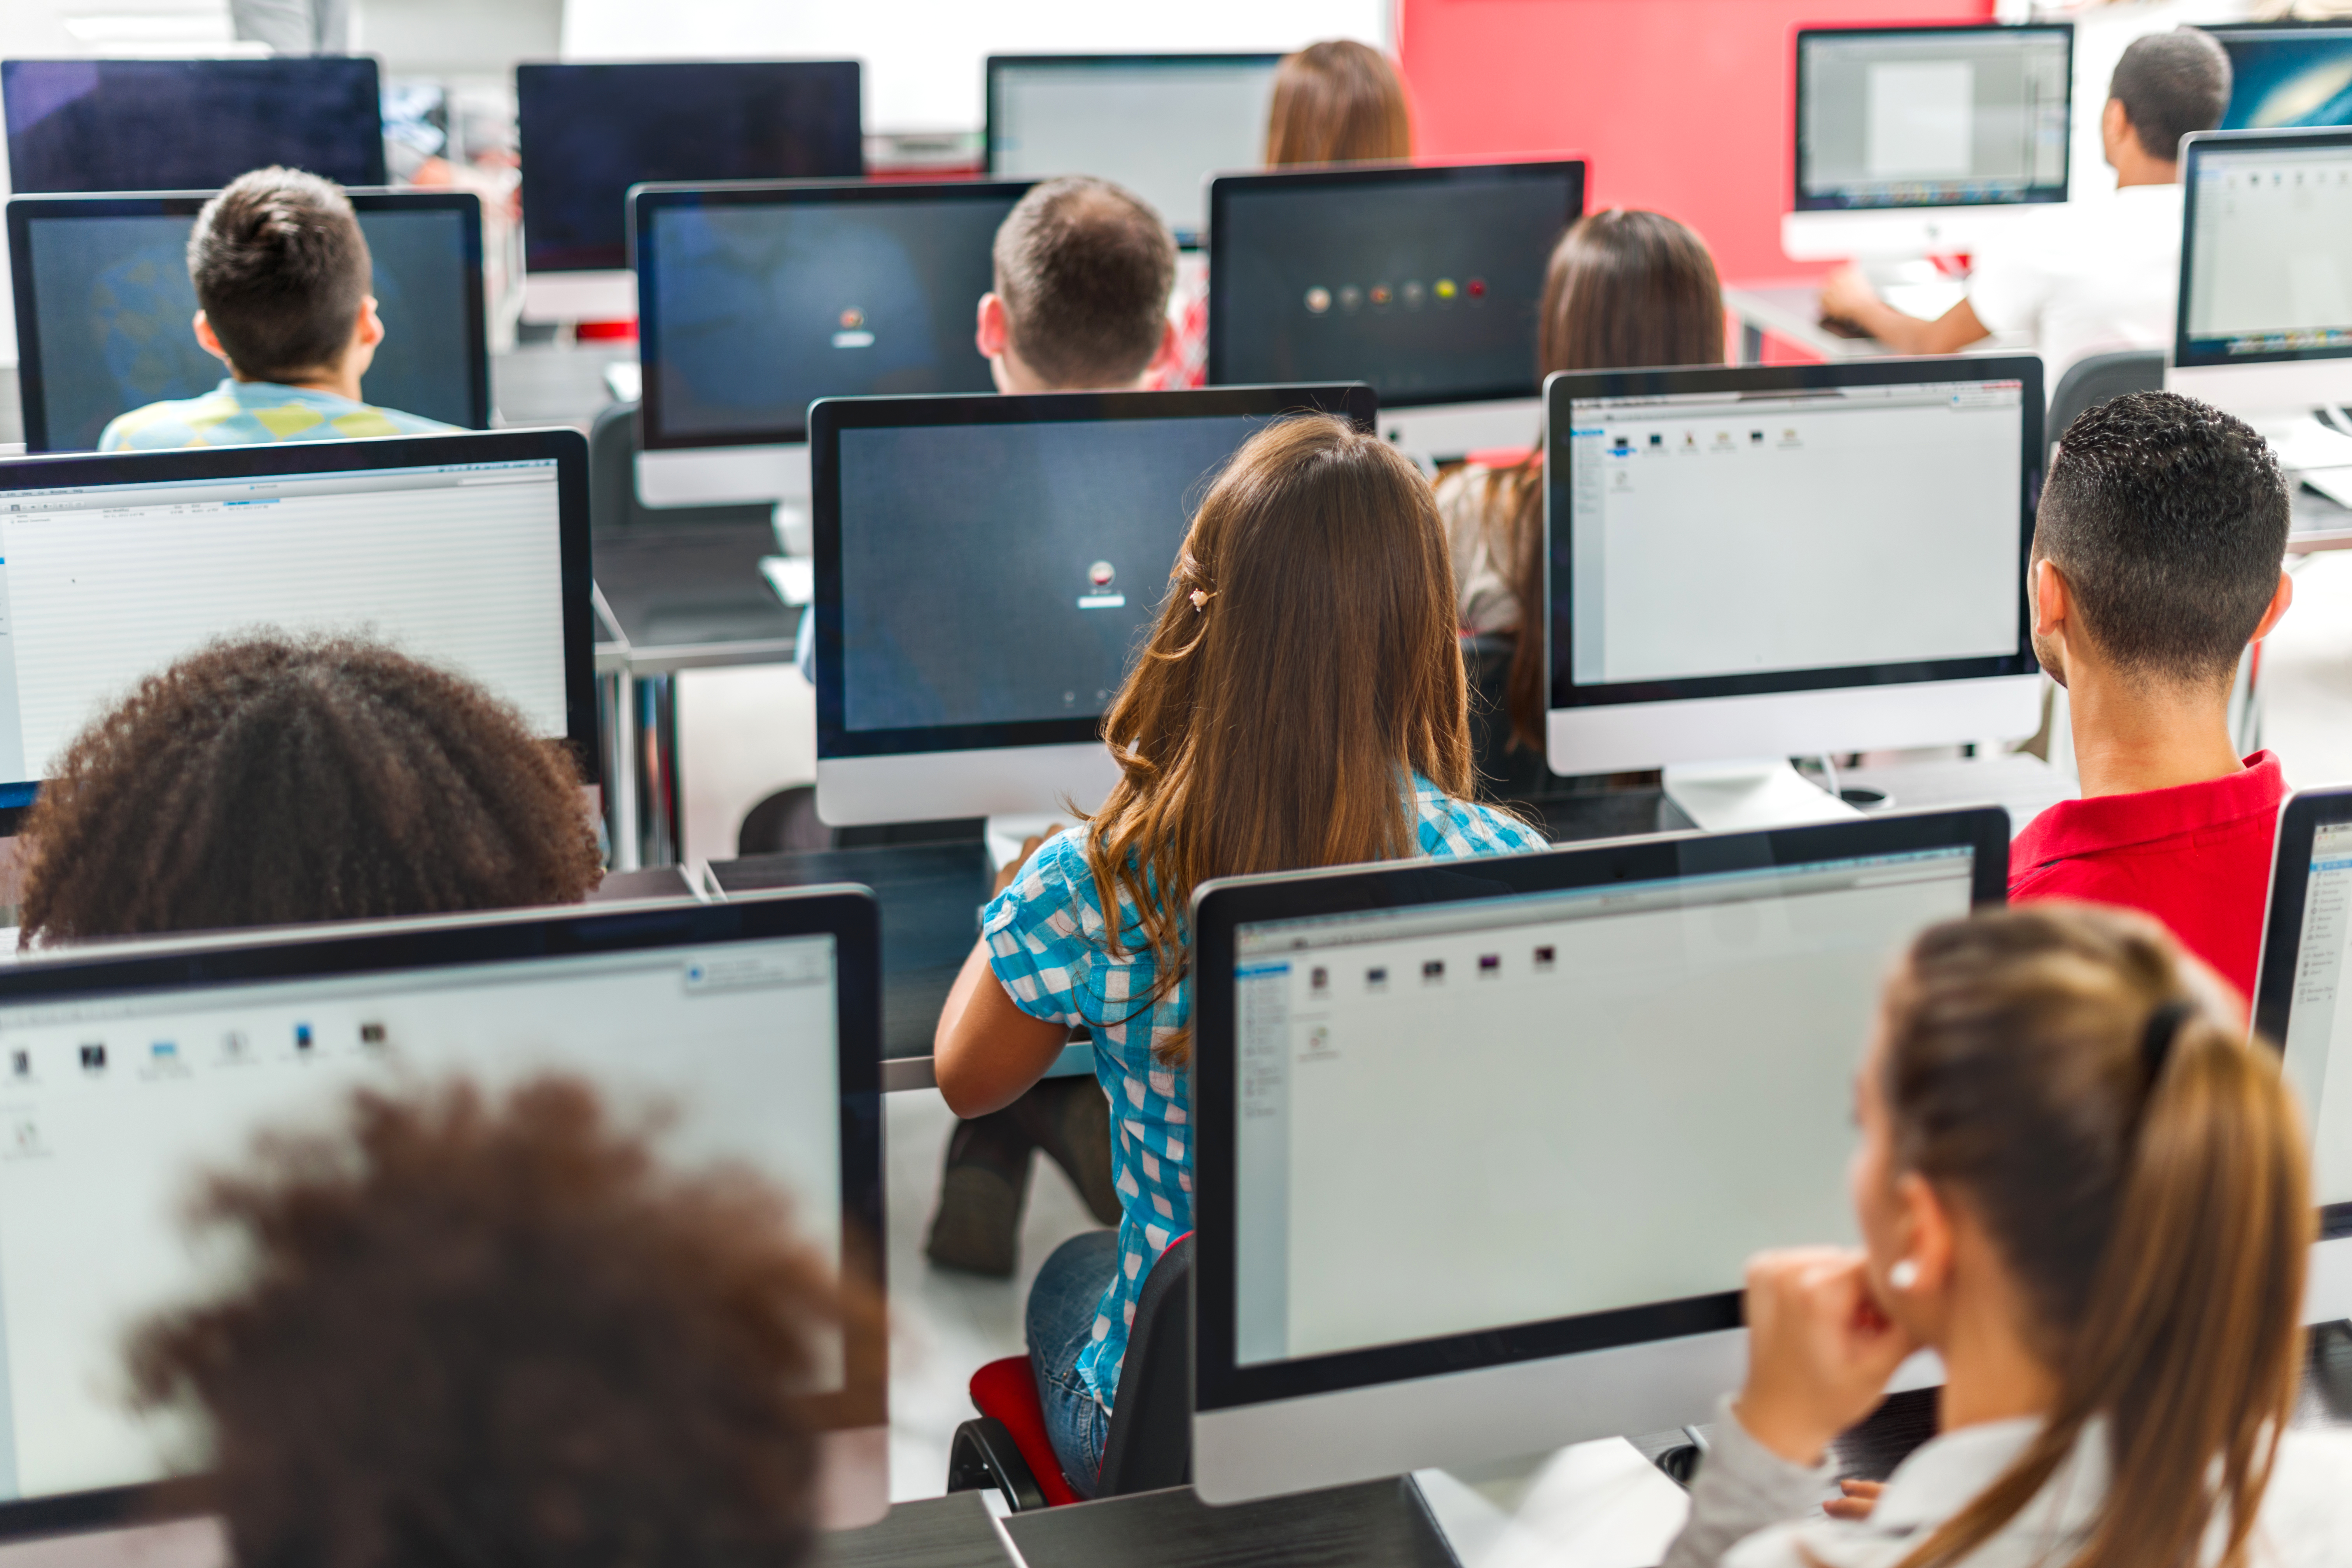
(1049, 944)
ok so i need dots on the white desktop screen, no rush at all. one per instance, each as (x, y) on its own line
(1932, 117)
(2319, 1028)
(112, 1106)
(103, 585)
(1724, 534)
(1543, 1087)
(2269, 262)
(1158, 126)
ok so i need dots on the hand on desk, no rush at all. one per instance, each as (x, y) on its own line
(1847, 296)
(1820, 1349)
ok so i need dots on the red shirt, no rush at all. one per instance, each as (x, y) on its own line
(2197, 857)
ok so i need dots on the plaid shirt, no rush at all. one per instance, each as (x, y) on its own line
(1049, 944)
(254, 413)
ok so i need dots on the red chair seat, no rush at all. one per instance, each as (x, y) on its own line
(1007, 1391)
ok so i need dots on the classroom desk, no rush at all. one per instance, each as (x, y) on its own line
(950, 1532)
(1792, 312)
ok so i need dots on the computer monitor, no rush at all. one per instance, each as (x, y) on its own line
(1768, 562)
(1586, 1084)
(130, 1071)
(2285, 75)
(1914, 140)
(2300, 1006)
(986, 569)
(588, 132)
(189, 125)
(104, 306)
(1158, 124)
(1424, 282)
(755, 299)
(468, 551)
(2265, 316)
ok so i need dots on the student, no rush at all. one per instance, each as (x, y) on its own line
(270, 781)
(1298, 703)
(282, 272)
(2155, 561)
(1338, 101)
(1083, 270)
(2089, 278)
(467, 1329)
(1623, 289)
(2081, 1185)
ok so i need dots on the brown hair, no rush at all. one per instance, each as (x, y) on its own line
(1304, 659)
(478, 1333)
(1625, 290)
(272, 781)
(2152, 1202)
(1338, 101)
(280, 268)
(1085, 270)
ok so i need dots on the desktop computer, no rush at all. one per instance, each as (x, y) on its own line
(1587, 1084)
(2286, 74)
(986, 568)
(1160, 125)
(104, 304)
(1424, 282)
(2266, 318)
(588, 132)
(1913, 142)
(755, 299)
(133, 1070)
(468, 552)
(1767, 562)
(181, 125)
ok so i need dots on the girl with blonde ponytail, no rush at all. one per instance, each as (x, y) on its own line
(2081, 1185)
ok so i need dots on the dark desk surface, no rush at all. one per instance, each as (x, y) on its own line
(653, 882)
(950, 1532)
(694, 587)
(1381, 1524)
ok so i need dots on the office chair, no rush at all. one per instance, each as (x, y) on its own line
(2091, 382)
(1150, 1446)
(612, 503)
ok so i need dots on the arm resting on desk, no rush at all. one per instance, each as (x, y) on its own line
(1743, 1487)
(1848, 297)
(987, 1051)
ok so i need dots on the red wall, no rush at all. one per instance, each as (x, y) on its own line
(1681, 105)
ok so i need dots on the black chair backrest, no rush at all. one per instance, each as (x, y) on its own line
(612, 503)
(2091, 382)
(1150, 1444)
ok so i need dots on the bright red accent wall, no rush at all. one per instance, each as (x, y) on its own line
(1682, 105)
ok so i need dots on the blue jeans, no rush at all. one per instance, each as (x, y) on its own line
(1063, 1305)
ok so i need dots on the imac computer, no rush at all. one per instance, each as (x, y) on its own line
(756, 300)
(1912, 141)
(1769, 562)
(104, 306)
(132, 1072)
(588, 132)
(189, 125)
(2284, 75)
(1586, 1083)
(1158, 124)
(468, 552)
(2265, 323)
(1424, 282)
(2303, 1006)
(986, 568)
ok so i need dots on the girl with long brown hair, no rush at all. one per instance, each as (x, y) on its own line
(1338, 101)
(1299, 703)
(1624, 289)
(2083, 1186)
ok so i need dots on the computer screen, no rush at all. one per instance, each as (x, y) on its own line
(1903, 117)
(128, 1078)
(1424, 282)
(471, 556)
(183, 125)
(2266, 271)
(104, 303)
(754, 302)
(1158, 124)
(2287, 74)
(2318, 1032)
(588, 132)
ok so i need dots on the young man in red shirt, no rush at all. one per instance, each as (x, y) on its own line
(2155, 561)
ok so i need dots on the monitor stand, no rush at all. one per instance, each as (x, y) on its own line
(1731, 796)
(1449, 432)
(594, 296)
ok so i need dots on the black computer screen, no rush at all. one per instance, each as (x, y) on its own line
(590, 132)
(1424, 282)
(177, 125)
(749, 311)
(112, 307)
(2285, 76)
(1048, 545)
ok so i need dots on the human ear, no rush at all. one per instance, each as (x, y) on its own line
(207, 340)
(368, 331)
(2281, 597)
(2046, 593)
(1925, 1226)
(989, 335)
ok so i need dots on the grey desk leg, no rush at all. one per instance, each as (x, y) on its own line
(1751, 342)
(660, 834)
(616, 697)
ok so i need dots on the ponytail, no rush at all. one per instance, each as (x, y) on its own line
(2153, 1200)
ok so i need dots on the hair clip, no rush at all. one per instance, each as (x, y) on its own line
(1201, 597)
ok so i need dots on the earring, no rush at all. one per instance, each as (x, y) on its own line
(1904, 1275)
